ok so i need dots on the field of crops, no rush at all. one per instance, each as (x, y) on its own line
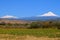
(32, 32)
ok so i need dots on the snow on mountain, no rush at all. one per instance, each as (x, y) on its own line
(46, 16)
(8, 16)
(49, 14)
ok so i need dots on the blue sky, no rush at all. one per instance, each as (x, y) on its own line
(28, 8)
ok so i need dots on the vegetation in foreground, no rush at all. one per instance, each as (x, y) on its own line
(32, 32)
(50, 29)
(27, 37)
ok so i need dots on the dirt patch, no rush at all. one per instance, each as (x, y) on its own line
(27, 37)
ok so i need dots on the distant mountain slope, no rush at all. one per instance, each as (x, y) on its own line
(43, 17)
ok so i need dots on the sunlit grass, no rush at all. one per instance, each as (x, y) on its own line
(32, 32)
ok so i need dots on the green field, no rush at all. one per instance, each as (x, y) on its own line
(32, 32)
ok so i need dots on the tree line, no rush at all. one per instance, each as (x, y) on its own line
(32, 25)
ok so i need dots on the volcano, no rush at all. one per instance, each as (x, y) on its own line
(45, 16)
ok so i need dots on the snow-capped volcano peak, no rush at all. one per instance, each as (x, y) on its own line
(8, 16)
(49, 14)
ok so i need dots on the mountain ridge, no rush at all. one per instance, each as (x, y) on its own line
(45, 16)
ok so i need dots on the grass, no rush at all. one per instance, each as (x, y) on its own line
(32, 32)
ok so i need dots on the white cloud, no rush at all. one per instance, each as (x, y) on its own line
(8, 16)
(49, 14)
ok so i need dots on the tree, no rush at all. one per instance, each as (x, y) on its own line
(34, 25)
